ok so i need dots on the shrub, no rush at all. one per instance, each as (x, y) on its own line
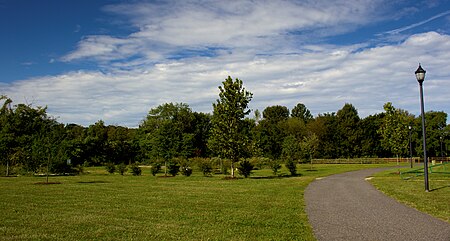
(245, 168)
(292, 166)
(110, 168)
(136, 169)
(173, 168)
(155, 168)
(275, 166)
(122, 168)
(186, 170)
(205, 167)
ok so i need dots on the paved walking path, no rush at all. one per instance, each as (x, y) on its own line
(347, 207)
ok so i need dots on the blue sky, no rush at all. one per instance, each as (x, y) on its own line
(114, 60)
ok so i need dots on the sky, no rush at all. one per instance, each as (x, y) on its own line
(114, 60)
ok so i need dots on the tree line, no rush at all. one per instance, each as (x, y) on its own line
(31, 140)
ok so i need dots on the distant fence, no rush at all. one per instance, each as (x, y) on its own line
(377, 160)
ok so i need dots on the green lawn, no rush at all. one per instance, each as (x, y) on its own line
(412, 191)
(98, 206)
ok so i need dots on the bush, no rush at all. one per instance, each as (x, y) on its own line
(205, 167)
(173, 168)
(292, 166)
(275, 166)
(110, 168)
(155, 168)
(122, 168)
(245, 168)
(259, 162)
(136, 169)
(186, 170)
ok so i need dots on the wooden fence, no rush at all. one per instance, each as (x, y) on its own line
(401, 160)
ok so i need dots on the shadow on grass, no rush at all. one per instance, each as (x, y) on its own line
(46, 183)
(92, 182)
(438, 188)
(276, 177)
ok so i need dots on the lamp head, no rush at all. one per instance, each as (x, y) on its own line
(420, 74)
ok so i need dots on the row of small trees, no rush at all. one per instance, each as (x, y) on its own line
(207, 166)
(31, 141)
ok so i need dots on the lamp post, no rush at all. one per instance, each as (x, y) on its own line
(420, 75)
(442, 153)
(410, 147)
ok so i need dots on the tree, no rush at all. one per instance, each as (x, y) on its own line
(245, 168)
(291, 148)
(348, 131)
(300, 111)
(276, 113)
(394, 130)
(325, 128)
(309, 146)
(168, 132)
(227, 137)
(371, 138)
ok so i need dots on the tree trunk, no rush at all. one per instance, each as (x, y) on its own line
(232, 169)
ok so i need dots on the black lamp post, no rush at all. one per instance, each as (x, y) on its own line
(442, 153)
(420, 75)
(410, 147)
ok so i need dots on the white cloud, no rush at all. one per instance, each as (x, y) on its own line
(270, 45)
(262, 26)
(324, 80)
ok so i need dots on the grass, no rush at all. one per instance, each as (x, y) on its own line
(412, 191)
(98, 206)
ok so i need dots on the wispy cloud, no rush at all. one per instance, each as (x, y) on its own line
(183, 50)
(324, 79)
(261, 26)
(415, 25)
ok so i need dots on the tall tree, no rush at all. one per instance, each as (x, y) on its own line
(227, 137)
(394, 130)
(167, 132)
(276, 113)
(300, 111)
(348, 131)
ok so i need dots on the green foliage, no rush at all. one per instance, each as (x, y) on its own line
(155, 168)
(173, 168)
(291, 148)
(122, 168)
(185, 168)
(309, 146)
(275, 166)
(348, 133)
(276, 113)
(301, 112)
(205, 167)
(186, 171)
(228, 138)
(110, 167)
(169, 132)
(245, 168)
(135, 169)
(394, 130)
(291, 165)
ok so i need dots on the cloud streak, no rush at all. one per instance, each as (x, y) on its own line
(181, 51)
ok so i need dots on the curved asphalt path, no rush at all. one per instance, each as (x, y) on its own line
(347, 207)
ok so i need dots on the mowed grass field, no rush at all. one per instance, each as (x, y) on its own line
(100, 206)
(412, 191)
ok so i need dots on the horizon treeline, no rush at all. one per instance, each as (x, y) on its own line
(31, 140)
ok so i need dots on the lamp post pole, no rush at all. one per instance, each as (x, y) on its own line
(420, 75)
(410, 147)
(442, 153)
